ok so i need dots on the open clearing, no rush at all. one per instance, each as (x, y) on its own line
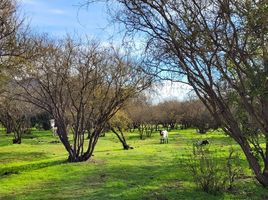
(36, 169)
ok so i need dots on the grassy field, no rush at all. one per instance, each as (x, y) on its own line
(36, 169)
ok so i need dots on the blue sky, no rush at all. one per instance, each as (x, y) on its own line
(58, 17)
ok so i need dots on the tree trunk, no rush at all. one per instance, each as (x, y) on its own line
(76, 154)
(78, 158)
(262, 177)
(17, 138)
(17, 141)
(62, 133)
(121, 139)
(8, 129)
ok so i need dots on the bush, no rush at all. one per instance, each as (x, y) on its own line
(210, 172)
(234, 167)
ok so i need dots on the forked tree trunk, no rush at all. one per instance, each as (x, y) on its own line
(75, 154)
(121, 138)
(18, 131)
(76, 157)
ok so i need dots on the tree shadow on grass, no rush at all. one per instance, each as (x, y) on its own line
(120, 181)
(5, 140)
(144, 182)
(16, 169)
(17, 156)
(162, 181)
(159, 179)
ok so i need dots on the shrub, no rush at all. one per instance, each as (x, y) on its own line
(234, 167)
(210, 172)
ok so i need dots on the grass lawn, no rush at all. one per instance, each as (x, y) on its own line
(36, 169)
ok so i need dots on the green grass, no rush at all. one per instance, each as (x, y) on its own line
(37, 169)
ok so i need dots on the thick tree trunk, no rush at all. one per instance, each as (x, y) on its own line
(76, 153)
(261, 176)
(17, 141)
(232, 128)
(78, 158)
(62, 133)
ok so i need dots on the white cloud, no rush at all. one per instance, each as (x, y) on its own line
(170, 91)
(56, 11)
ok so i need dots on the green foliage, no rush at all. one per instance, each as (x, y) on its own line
(207, 171)
(234, 167)
(210, 173)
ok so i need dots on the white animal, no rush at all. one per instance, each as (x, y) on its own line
(54, 128)
(163, 136)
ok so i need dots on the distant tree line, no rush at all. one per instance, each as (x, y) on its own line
(169, 115)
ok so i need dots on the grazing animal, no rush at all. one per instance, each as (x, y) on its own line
(163, 136)
(202, 142)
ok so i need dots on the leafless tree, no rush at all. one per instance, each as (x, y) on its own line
(221, 46)
(5, 119)
(82, 85)
(14, 40)
(140, 112)
(15, 116)
(169, 113)
(198, 116)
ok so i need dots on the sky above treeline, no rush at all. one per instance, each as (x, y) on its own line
(61, 17)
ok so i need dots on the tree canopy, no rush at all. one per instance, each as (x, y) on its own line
(82, 86)
(221, 47)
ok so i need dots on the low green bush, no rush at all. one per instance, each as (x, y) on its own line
(214, 174)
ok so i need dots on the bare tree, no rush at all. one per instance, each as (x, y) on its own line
(14, 40)
(15, 115)
(169, 113)
(221, 46)
(82, 86)
(140, 113)
(199, 116)
(5, 119)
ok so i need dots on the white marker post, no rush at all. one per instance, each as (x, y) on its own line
(54, 129)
